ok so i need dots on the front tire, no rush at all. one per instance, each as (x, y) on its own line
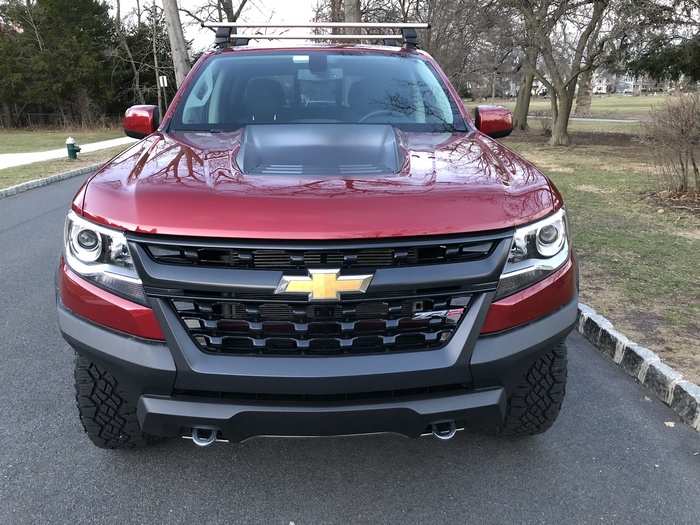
(107, 411)
(534, 403)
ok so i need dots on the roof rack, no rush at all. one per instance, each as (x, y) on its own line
(226, 36)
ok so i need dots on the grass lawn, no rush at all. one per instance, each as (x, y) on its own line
(603, 106)
(21, 141)
(38, 170)
(578, 126)
(639, 261)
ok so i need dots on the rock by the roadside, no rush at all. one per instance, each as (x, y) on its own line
(634, 358)
(686, 402)
(661, 378)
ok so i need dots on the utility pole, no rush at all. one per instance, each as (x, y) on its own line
(154, 17)
(178, 48)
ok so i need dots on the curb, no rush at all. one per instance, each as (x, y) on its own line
(644, 365)
(38, 183)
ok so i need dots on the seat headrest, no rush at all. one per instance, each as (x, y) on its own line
(359, 95)
(263, 99)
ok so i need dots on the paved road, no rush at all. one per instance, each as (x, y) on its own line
(609, 458)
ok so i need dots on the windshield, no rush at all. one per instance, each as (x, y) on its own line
(306, 87)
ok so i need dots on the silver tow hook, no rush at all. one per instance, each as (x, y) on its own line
(203, 437)
(444, 431)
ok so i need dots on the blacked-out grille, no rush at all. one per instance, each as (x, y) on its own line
(294, 258)
(298, 329)
(420, 290)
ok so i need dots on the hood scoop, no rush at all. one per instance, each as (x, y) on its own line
(319, 149)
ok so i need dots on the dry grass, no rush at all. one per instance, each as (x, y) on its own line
(38, 170)
(22, 141)
(603, 106)
(639, 266)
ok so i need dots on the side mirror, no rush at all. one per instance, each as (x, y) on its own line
(141, 121)
(494, 121)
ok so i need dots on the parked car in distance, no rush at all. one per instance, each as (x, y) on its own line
(316, 240)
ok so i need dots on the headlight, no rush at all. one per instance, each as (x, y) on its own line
(537, 251)
(101, 255)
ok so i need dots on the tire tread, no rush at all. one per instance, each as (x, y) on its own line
(107, 413)
(535, 402)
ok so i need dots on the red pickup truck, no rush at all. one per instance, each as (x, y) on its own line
(312, 241)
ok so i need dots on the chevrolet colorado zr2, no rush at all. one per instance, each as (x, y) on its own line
(316, 240)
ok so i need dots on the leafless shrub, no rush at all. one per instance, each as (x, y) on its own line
(674, 134)
(544, 118)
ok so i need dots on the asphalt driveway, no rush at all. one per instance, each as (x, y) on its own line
(611, 457)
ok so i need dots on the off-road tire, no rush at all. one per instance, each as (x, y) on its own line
(107, 412)
(534, 403)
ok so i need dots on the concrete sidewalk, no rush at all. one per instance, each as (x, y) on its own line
(591, 119)
(10, 160)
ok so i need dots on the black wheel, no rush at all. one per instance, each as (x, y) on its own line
(534, 403)
(107, 412)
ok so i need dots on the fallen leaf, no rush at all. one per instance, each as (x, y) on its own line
(669, 424)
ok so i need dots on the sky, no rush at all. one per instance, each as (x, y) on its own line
(256, 11)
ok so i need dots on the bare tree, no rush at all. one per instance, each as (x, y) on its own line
(562, 31)
(216, 11)
(178, 48)
(124, 44)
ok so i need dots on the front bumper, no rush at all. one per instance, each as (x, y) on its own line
(240, 421)
(175, 394)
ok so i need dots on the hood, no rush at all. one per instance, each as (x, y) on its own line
(191, 184)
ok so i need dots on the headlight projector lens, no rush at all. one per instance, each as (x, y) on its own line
(86, 244)
(548, 234)
(88, 240)
(550, 239)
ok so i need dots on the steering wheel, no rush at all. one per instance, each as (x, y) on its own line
(376, 113)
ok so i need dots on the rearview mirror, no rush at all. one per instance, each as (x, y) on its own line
(494, 121)
(141, 121)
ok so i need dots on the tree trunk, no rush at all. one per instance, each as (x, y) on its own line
(562, 101)
(637, 88)
(227, 6)
(522, 104)
(336, 12)
(585, 94)
(6, 115)
(231, 15)
(493, 86)
(178, 48)
(352, 14)
(138, 92)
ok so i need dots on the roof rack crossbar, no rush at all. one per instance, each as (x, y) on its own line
(308, 25)
(225, 35)
(295, 36)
